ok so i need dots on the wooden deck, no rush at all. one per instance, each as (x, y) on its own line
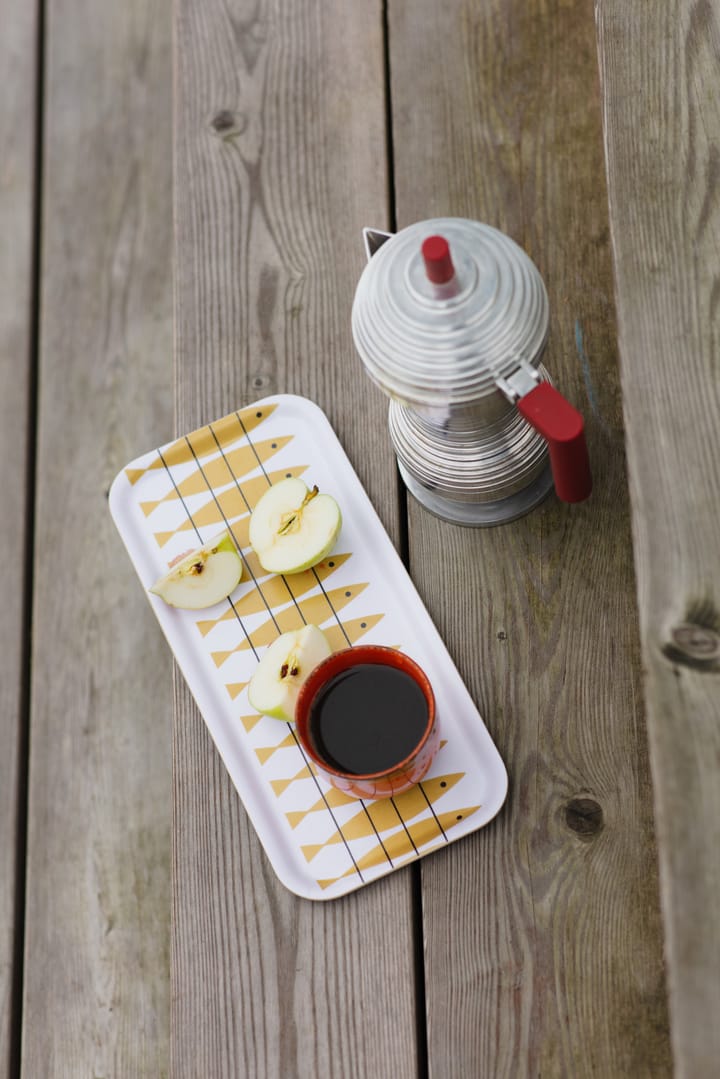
(142, 929)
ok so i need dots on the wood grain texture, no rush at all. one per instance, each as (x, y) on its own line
(18, 43)
(279, 162)
(96, 991)
(660, 84)
(542, 932)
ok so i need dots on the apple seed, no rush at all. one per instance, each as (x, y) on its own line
(290, 668)
(293, 518)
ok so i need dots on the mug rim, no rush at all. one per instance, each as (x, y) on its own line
(374, 654)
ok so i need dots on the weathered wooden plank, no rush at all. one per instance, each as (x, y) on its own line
(96, 998)
(280, 159)
(18, 43)
(543, 944)
(659, 69)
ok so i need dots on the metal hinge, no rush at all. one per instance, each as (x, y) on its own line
(520, 382)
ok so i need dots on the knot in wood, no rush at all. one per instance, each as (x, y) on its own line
(697, 643)
(584, 817)
(227, 123)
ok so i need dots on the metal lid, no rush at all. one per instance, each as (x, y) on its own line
(428, 343)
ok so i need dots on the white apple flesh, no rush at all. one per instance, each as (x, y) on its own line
(293, 528)
(203, 577)
(284, 666)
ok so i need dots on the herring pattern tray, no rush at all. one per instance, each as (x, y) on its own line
(321, 843)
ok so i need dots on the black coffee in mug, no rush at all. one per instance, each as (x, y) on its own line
(368, 719)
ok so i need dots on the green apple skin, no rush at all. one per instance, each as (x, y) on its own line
(274, 693)
(313, 522)
(224, 542)
(189, 589)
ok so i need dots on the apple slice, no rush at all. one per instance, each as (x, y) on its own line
(283, 668)
(203, 577)
(293, 528)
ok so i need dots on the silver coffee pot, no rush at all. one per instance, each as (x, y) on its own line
(450, 319)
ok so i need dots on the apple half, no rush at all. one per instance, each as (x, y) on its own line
(203, 577)
(292, 528)
(284, 666)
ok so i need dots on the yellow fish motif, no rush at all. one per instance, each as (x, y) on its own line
(277, 591)
(229, 429)
(387, 813)
(230, 502)
(384, 813)
(398, 845)
(313, 611)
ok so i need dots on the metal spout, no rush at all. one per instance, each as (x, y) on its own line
(373, 239)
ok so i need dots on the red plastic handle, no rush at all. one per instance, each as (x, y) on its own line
(563, 428)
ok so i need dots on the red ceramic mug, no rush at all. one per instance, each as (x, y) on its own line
(366, 718)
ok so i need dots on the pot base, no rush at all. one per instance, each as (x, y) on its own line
(480, 514)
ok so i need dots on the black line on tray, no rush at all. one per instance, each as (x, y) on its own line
(437, 821)
(237, 545)
(327, 806)
(377, 834)
(314, 571)
(407, 830)
(330, 605)
(197, 531)
(236, 481)
(177, 492)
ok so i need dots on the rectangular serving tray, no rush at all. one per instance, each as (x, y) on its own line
(321, 843)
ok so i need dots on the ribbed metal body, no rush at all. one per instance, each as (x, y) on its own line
(438, 350)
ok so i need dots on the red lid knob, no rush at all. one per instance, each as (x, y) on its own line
(438, 261)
